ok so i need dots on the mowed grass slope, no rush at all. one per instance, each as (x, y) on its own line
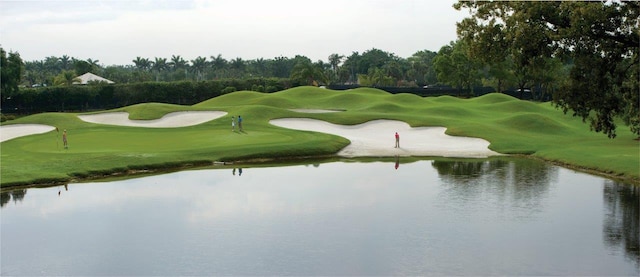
(511, 125)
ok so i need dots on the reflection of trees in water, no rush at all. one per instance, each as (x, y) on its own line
(622, 221)
(4, 198)
(523, 172)
(465, 172)
(16, 195)
(518, 183)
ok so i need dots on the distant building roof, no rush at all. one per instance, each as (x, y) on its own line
(90, 77)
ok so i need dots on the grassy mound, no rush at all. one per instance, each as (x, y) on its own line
(494, 98)
(511, 125)
(533, 123)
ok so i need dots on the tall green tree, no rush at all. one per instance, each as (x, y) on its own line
(258, 68)
(66, 62)
(282, 67)
(455, 68)
(199, 65)
(334, 61)
(374, 58)
(159, 65)
(421, 67)
(600, 38)
(12, 69)
(219, 66)
(94, 64)
(81, 67)
(237, 67)
(352, 65)
(307, 73)
(142, 64)
(376, 77)
(178, 67)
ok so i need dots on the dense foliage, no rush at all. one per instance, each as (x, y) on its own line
(599, 41)
(12, 69)
(109, 96)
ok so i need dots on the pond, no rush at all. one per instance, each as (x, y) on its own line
(391, 217)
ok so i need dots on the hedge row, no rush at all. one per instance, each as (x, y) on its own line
(105, 96)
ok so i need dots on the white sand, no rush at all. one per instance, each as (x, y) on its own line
(171, 120)
(8, 132)
(377, 139)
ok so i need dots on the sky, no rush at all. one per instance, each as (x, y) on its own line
(115, 32)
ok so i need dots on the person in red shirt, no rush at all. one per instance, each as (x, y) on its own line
(397, 140)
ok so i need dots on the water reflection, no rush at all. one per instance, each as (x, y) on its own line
(17, 196)
(622, 219)
(442, 217)
(522, 185)
(397, 162)
(237, 169)
(525, 172)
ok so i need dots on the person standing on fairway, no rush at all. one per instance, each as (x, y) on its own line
(397, 140)
(233, 123)
(240, 123)
(64, 139)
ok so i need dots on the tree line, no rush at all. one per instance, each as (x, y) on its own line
(102, 96)
(584, 54)
(338, 69)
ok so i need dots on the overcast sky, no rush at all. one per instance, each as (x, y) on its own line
(117, 31)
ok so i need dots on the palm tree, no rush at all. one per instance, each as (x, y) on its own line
(218, 65)
(65, 62)
(160, 64)
(51, 66)
(259, 67)
(334, 61)
(66, 78)
(142, 64)
(218, 62)
(94, 64)
(308, 73)
(237, 67)
(198, 65)
(178, 63)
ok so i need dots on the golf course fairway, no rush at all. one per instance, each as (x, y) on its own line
(511, 126)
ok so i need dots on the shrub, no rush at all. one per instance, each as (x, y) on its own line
(229, 90)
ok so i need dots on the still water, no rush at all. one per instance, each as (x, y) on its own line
(428, 217)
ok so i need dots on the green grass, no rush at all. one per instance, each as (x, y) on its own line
(511, 125)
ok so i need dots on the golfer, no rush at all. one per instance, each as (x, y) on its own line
(233, 123)
(64, 139)
(240, 123)
(397, 140)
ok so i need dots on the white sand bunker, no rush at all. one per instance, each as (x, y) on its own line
(314, 111)
(8, 132)
(171, 120)
(376, 139)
